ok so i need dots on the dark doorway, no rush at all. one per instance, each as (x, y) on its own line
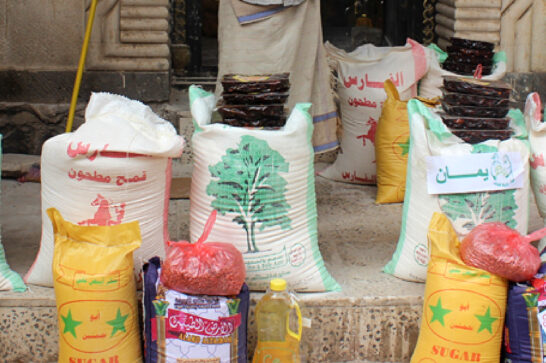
(346, 23)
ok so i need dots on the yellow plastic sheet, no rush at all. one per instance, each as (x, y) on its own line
(463, 309)
(95, 290)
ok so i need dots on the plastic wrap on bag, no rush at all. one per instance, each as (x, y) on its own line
(477, 136)
(211, 268)
(263, 123)
(456, 50)
(252, 112)
(477, 86)
(255, 98)
(465, 99)
(466, 69)
(474, 123)
(236, 83)
(501, 250)
(474, 111)
(472, 44)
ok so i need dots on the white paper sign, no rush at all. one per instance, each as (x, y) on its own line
(449, 174)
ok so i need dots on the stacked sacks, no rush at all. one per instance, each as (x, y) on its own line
(261, 182)
(115, 168)
(359, 76)
(475, 110)
(254, 101)
(495, 191)
(9, 280)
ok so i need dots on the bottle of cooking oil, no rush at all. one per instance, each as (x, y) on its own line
(276, 341)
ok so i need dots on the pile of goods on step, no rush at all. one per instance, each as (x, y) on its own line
(476, 110)
(464, 56)
(255, 100)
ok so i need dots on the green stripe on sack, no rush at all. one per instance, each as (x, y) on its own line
(329, 283)
(6, 274)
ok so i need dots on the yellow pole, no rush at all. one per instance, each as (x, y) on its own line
(81, 64)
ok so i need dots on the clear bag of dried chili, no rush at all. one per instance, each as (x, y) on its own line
(499, 249)
(212, 268)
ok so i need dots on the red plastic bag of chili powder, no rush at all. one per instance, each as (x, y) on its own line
(212, 268)
(499, 249)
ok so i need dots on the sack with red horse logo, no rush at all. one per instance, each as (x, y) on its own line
(115, 168)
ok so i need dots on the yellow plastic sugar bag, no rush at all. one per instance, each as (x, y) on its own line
(95, 290)
(392, 139)
(463, 309)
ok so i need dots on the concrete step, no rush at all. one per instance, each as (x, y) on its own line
(374, 318)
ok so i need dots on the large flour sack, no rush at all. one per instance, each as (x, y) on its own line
(114, 169)
(537, 141)
(261, 182)
(359, 77)
(429, 137)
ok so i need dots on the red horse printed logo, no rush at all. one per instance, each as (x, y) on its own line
(371, 132)
(102, 216)
(536, 161)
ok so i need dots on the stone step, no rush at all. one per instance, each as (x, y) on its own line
(374, 318)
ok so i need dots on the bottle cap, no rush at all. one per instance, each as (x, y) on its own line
(277, 284)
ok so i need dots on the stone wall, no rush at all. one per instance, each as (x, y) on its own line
(517, 27)
(40, 46)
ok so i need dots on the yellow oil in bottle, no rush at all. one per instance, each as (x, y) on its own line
(277, 343)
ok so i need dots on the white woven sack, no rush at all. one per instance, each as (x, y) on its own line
(115, 168)
(9, 279)
(261, 182)
(430, 85)
(360, 77)
(537, 141)
(430, 137)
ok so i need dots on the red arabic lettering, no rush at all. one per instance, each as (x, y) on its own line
(361, 102)
(79, 150)
(81, 175)
(348, 83)
(397, 79)
(120, 180)
(181, 322)
(353, 178)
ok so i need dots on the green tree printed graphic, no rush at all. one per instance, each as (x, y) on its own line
(249, 186)
(478, 208)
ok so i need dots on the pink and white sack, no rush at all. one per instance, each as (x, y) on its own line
(115, 168)
(359, 77)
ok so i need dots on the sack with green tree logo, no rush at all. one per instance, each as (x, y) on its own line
(431, 139)
(262, 183)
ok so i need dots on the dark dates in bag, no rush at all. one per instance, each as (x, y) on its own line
(476, 136)
(466, 69)
(473, 111)
(254, 98)
(474, 123)
(455, 50)
(472, 44)
(466, 99)
(252, 112)
(477, 86)
(265, 123)
(236, 83)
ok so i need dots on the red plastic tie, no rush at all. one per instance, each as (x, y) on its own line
(536, 235)
(478, 72)
(208, 227)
